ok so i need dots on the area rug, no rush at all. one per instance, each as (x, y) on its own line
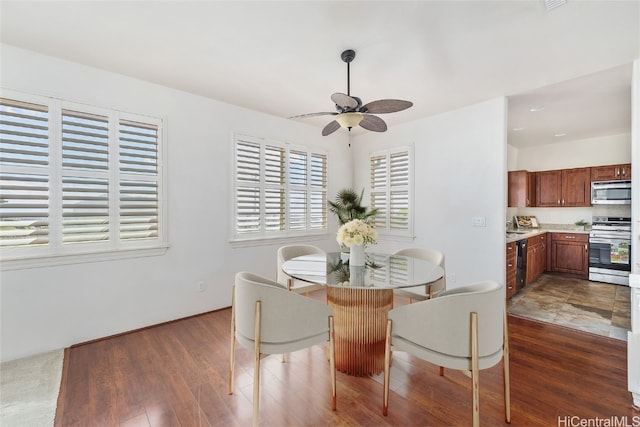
(29, 390)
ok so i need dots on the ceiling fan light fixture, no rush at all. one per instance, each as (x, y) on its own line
(349, 120)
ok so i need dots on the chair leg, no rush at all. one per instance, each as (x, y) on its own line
(232, 340)
(475, 385)
(505, 365)
(256, 365)
(441, 371)
(332, 362)
(387, 368)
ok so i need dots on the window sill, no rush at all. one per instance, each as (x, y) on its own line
(395, 238)
(69, 259)
(281, 240)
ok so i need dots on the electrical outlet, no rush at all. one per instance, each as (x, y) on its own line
(200, 286)
(479, 221)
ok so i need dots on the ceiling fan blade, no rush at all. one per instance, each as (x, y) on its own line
(344, 101)
(386, 106)
(330, 128)
(322, 113)
(373, 123)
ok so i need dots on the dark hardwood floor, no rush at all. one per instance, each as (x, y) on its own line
(175, 374)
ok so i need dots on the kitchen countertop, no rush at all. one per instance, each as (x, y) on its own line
(515, 235)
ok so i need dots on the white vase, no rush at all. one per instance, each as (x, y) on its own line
(356, 255)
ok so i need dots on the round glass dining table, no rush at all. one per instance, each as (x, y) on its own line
(361, 297)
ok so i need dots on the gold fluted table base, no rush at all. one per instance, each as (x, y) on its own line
(360, 321)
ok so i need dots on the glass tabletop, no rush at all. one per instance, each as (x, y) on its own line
(381, 271)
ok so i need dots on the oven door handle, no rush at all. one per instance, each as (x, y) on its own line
(608, 240)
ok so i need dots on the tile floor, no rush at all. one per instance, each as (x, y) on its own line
(599, 308)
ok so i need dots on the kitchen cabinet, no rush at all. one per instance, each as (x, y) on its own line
(570, 254)
(511, 269)
(522, 189)
(611, 172)
(536, 257)
(563, 188)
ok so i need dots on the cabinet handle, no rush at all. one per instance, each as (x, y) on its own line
(558, 201)
(569, 237)
(509, 265)
(586, 249)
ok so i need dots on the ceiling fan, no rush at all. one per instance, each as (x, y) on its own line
(349, 109)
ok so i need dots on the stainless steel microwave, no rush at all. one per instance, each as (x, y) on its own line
(611, 193)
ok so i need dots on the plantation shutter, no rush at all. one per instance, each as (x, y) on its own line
(77, 180)
(278, 189)
(24, 180)
(399, 191)
(318, 218)
(378, 182)
(298, 190)
(248, 187)
(138, 158)
(85, 178)
(390, 189)
(274, 205)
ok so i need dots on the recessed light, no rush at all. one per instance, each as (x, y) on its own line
(536, 108)
(552, 4)
(558, 135)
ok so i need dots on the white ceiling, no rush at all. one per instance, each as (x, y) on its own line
(283, 58)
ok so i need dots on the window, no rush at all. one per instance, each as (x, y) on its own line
(280, 190)
(390, 181)
(77, 179)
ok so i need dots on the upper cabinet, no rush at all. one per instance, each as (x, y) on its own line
(563, 188)
(611, 172)
(576, 187)
(522, 189)
(549, 188)
(560, 188)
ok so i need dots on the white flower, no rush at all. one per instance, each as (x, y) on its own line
(357, 232)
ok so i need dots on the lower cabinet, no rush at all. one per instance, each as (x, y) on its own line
(511, 269)
(570, 254)
(536, 257)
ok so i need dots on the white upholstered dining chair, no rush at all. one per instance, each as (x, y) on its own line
(268, 319)
(285, 253)
(464, 328)
(422, 293)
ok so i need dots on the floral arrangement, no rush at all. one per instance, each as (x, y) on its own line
(357, 232)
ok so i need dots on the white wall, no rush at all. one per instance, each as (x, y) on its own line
(635, 174)
(54, 307)
(460, 164)
(605, 150)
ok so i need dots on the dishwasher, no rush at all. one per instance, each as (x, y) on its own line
(521, 264)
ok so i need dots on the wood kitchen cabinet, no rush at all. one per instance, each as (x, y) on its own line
(570, 254)
(611, 172)
(522, 189)
(511, 269)
(548, 188)
(536, 257)
(563, 188)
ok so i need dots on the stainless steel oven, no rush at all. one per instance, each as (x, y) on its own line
(610, 250)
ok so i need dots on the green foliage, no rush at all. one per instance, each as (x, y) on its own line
(348, 206)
